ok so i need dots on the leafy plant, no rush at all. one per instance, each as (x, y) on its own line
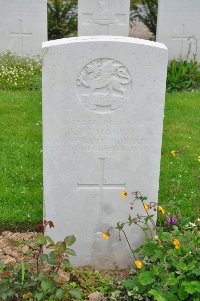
(51, 277)
(170, 268)
(62, 18)
(146, 11)
(183, 75)
(166, 266)
(93, 281)
(47, 279)
(20, 73)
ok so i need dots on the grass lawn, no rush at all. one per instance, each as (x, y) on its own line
(21, 157)
(180, 175)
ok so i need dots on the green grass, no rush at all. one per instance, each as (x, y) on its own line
(21, 159)
(21, 156)
(180, 175)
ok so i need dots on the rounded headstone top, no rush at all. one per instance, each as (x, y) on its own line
(87, 39)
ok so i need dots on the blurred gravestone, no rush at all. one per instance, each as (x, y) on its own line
(179, 27)
(103, 106)
(23, 26)
(103, 17)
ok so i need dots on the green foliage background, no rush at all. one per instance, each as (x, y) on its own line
(62, 18)
(145, 11)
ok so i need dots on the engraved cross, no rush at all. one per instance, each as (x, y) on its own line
(104, 16)
(21, 33)
(183, 37)
(102, 185)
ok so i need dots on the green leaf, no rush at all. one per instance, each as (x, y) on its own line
(29, 252)
(39, 296)
(51, 247)
(53, 261)
(155, 270)
(70, 252)
(66, 262)
(191, 265)
(42, 240)
(76, 294)
(172, 279)
(50, 240)
(192, 286)
(149, 248)
(44, 257)
(53, 254)
(182, 266)
(61, 246)
(60, 293)
(131, 283)
(183, 295)
(146, 278)
(158, 254)
(47, 285)
(157, 295)
(196, 272)
(70, 240)
(166, 236)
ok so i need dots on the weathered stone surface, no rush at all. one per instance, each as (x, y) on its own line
(23, 26)
(103, 17)
(103, 105)
(178, 27)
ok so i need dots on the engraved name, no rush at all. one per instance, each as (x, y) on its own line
(105, 136)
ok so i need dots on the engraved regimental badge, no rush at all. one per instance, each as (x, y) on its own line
(104, 85)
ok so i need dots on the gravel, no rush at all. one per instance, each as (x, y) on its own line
(9, 251)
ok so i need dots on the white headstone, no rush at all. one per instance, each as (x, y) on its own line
(23, 26)
(179, 27)
(103, 17)
(103, 104)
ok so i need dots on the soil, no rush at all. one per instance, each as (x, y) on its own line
(10, 253)
(9, 250)
(139, 30)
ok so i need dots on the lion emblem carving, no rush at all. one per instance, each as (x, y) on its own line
(104, 85)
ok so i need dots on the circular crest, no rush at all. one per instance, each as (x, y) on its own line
(104, 85)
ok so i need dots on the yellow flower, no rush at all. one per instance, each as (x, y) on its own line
(177, 244)
(146, 207)
(138, 264)
(124, 194)
(105, 235)
(173, 153)
(161, 209)
(198, 159)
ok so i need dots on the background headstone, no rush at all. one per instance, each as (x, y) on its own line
(179, 27)
(103, 17)
(23, 26)
(103, 105)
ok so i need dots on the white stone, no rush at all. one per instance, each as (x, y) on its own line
(103, 104)
(179, 27)
(103, 17)
(23, 26)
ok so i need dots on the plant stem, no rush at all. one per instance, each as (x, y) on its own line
(128, 243)
(37, 258)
